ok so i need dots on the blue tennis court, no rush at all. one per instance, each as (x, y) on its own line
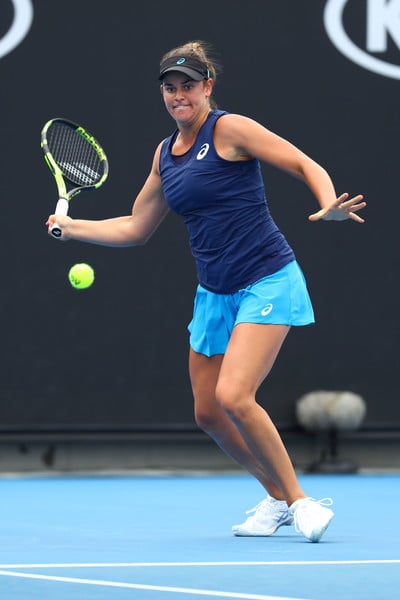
(169, 536)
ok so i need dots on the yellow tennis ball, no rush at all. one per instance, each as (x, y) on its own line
(81, 276)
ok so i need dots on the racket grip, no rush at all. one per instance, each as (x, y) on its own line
(61, 209)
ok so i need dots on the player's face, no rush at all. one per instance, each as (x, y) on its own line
(184, 98)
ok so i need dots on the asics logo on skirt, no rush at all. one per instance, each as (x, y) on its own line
(267, 309)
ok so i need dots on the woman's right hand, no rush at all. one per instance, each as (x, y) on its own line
(62, 222)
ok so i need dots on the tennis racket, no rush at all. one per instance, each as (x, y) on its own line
(75, 158)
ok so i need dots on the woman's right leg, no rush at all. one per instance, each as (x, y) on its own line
(212, 419)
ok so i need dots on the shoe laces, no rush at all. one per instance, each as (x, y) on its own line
(303, 505)
(257, 506)
(323, 502)
(266, 505)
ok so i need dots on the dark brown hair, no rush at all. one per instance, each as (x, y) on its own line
(202, 51)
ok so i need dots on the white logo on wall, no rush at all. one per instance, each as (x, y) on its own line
(22, 21)
(382, 21)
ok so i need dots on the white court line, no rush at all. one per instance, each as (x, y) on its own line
(201, 564)
(193, 591)
(153, 588)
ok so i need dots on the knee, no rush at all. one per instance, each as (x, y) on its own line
(234, 400)
(203, 419)
(207, 417)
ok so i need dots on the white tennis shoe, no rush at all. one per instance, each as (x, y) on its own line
(312, 517)
(269, 515)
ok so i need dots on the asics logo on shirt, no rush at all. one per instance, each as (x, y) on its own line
(267, 309)
(203, 151)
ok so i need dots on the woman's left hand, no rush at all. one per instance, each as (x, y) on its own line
(341, 210)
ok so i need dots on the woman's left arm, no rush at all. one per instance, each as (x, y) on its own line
(247, 138)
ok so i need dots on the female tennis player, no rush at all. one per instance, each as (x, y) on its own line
(251, 289)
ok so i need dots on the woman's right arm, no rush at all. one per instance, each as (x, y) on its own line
(148, 211)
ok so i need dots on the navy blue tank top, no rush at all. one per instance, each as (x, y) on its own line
(233, 237)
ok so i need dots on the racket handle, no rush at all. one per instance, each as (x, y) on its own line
(61, 209)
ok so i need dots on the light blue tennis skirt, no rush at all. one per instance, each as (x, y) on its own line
(281, 299)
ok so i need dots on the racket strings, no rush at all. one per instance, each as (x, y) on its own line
(77, 158)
